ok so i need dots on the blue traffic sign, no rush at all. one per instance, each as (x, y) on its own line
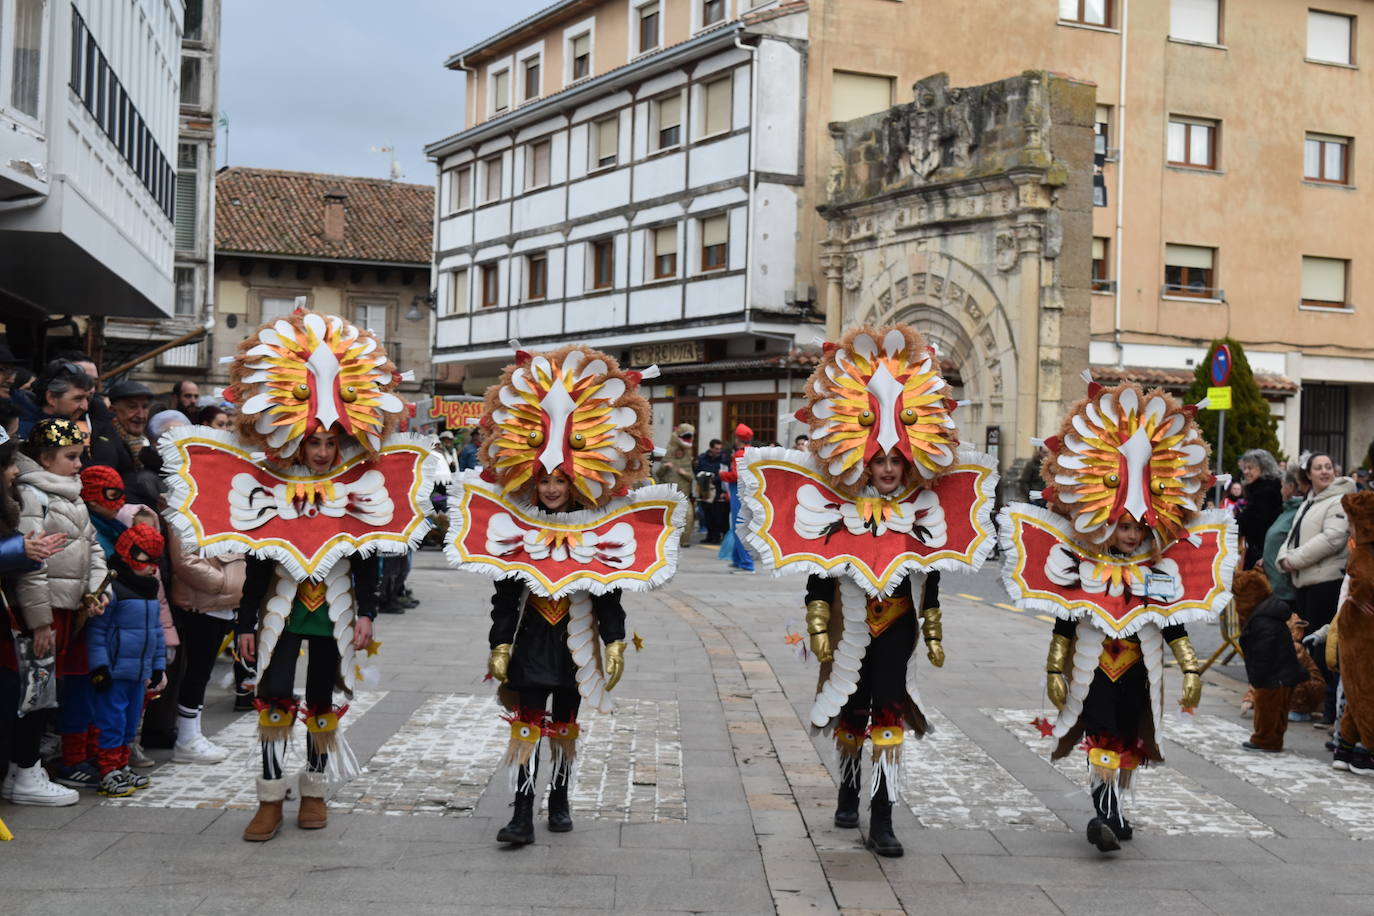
(1221, 365)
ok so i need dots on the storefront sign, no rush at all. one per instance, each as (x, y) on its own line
(668, 354)
(456, 413)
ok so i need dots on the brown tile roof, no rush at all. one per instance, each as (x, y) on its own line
(1179, 379)
(268, 211)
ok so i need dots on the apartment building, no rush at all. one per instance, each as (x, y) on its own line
(1232, 198)
(88, 132)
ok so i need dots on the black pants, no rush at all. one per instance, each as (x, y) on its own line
(717, 520)
(201, 637)
(1114, 708)
(279, 680)
(566, 701)
(19, 735)
(1317, 603)
(882, 675)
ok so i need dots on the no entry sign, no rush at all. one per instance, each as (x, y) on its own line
(1221, 365)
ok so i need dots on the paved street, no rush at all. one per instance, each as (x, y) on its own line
(704, 793)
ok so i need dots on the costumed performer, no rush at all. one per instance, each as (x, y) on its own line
(554, 521)
(882, 499)
(1355, 644)
(316, 481)
(1123, 557)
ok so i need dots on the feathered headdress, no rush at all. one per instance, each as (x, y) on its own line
(310, 369)
(879, 390)
(572, 410)
(1124, 451)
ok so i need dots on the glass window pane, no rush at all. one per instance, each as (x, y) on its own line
(1312, 159)
(1095, 12)
(28, 53)
(1068, 9)
(1178, 135)
(1335, 161)
(1200, 145)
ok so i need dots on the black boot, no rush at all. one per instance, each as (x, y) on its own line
(1100, 832)
(560, 816)
(847, 806)
(520, 830)
(881, 839)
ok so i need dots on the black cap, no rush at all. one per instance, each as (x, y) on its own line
(128, 388)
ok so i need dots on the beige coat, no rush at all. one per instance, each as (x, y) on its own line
(203, 585)
(52, 504)
(1322, 534)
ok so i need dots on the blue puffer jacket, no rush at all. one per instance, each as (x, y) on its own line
(13, 560)
(127, 637)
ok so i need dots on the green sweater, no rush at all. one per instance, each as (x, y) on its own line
(1279, 581)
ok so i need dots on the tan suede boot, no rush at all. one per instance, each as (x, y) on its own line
(313, 814)
(266, 823)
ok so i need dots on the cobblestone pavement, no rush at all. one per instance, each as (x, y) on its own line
(704, 792)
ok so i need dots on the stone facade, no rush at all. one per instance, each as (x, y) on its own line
(968, 214)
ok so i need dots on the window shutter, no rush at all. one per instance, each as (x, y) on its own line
(1194, 20)
(669, 111)
(1099, 249)
(665, 240)
(1328, 37)
(715, 231)
(581, 45)
(1323, 279)
(718, 106)
(853, 95)
(1188, 256)
(186, 211)
(608, 134)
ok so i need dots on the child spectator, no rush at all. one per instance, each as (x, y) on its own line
(1271, 665)
(127, 656)
(26, 782)
(56, 600)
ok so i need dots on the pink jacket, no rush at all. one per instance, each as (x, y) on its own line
(200, 584)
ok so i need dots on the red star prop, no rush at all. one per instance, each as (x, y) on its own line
(1045, 726)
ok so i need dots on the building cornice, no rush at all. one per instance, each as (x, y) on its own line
(613, 80)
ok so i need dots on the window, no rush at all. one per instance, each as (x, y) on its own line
(759, 415)
(1324, 282)
(1330, 37)
(853, 95)
(582, 56)
(459, 189)
(1087, 12)
(1195, 20)
(665, 252)
(605, 141)
(27, 69)
(186, 292)
(500, 91)
(668, 117)
(1193, 142)
(712, 11)
(715, 116)
(1102, 130)
(492, 188)
(715, 242)
(190, 82)
(457, 301)
(274, 307)
(603, 264)
(1188, 271)
(1326, 159)
(532, 85)
(187, 177)
(537, 276)
(537, 164)
(491, 285)
(371, 316)
(1100, 283)
(648, 27)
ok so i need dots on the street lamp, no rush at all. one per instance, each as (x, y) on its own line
(414, 313)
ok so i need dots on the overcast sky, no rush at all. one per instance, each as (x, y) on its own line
(312, 85)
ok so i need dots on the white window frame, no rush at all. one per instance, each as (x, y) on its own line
(634, 17)
(1216, 40)
(500, 159)
(265, 297)
(458, 294)
(453, 196)
(364, 305)
(1213, 145)
(594, 144)
(506, 65)
(1351, 24)
(522, 59)
(699, 15)
(530, 183)
(7, 30)
(654, 127)
(702, 132)
(585, 27)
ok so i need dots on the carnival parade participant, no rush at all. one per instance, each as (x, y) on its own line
(1123, 557)
(882, 500)
(316, 482)
(556, 520)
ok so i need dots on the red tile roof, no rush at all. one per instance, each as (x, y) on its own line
(1179, 379)
(268, 211)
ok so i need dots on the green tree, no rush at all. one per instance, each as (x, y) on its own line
(1249, 422)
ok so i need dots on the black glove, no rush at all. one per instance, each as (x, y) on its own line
(158, 675)
(100, 678)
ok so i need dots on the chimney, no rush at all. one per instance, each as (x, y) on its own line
(334, 215)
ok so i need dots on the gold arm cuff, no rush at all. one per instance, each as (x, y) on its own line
(932, 626)
(616, 649)
(1185, 655)
(1059, 654)
(817, 617)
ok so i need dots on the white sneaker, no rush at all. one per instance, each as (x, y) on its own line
(199, 750)
(30, 786)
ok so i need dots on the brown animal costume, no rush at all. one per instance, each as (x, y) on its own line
(1356, 648)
